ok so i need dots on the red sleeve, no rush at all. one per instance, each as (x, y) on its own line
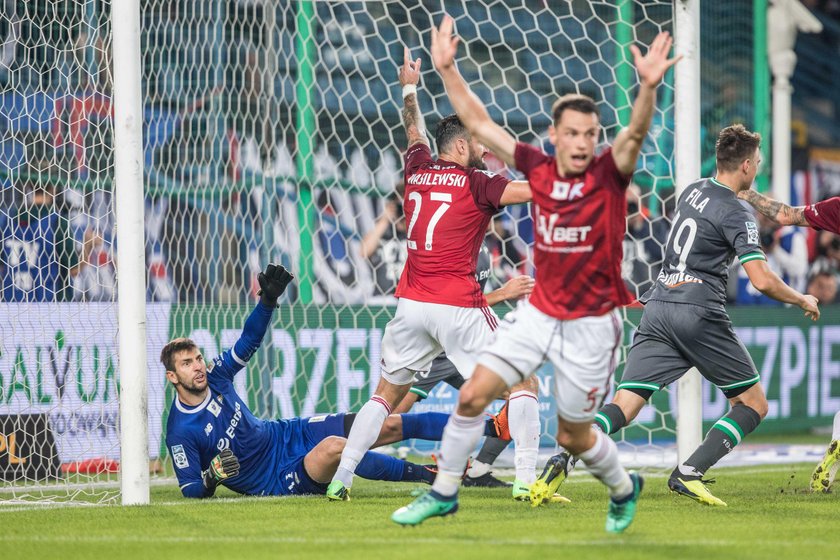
(487, 189)
(824, 215)
(610, 173)
(416, 156)
(527, 157)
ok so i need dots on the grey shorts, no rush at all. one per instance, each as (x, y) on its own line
(441, 370)
(673, 337)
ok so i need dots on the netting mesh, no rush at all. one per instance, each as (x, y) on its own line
(272, 132)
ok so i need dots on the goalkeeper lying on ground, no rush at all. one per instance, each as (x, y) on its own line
(214, 439)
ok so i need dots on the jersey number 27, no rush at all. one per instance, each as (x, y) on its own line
(417, 198)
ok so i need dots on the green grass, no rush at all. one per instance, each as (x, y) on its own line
(769, 515)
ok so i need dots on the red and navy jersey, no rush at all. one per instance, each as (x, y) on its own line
(825, 215)
(447, 209)
(579, 225)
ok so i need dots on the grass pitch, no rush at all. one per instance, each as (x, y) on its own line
(770, 514)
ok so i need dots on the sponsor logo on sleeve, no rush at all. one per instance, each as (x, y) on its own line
(179, 456)
(752, 233)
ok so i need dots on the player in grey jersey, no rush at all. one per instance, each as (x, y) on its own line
(444, 371)
(685, 323)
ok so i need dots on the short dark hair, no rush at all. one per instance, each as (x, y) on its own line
(448, 130)
(734, 145)
(167, 355)
(574, 102)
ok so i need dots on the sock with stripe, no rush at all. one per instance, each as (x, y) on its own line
(459, 440)
(426, 425)
(725, 434)
(602, 462)
(835, 433)
(362, 436)
(610, 419)
(524, 420)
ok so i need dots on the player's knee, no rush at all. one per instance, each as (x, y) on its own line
(333, 445)
(471, 402)
(572, 440)
(392, 428)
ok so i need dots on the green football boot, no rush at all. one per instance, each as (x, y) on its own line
(422, 508)
(620, 514)
(337, 492)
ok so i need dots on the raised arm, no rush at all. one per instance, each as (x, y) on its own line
(467, 105)
(775, 210)
(651, 68)
(415, 128)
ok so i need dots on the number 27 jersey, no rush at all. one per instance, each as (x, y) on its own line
(447, 209)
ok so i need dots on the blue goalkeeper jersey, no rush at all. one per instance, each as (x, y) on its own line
(194, 435)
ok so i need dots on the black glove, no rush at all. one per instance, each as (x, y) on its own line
(224, 465)
(273, 281)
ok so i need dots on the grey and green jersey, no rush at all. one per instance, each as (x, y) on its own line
(709, 229)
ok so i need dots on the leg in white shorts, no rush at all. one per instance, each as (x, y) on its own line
(420, 331)
(583, 352)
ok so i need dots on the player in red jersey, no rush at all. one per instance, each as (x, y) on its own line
(448, 204)
(824, 216)
(572, 316)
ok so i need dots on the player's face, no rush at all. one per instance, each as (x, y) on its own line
(476, 156)
(190, 371)
(575, 136)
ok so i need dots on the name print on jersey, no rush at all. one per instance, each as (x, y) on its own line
(438, 179)
(693, 199)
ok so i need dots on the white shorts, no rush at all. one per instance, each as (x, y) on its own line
(420, 331)
(584, 353)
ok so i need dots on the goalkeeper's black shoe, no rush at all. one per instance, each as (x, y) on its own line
(487, 480)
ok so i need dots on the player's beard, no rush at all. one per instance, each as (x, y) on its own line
(476, 160)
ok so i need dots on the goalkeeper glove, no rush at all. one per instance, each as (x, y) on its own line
(273, 281)
(224, 465)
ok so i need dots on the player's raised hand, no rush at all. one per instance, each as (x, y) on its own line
(809, 305)
(410, 70)
(653, 65)
(273, 281)
(518, 287)
(224, 465)
(444, 45)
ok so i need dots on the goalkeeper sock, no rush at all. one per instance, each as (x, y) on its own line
(376, 466)
(725, 434)
(459, 439)
(362, 436)
(610, 419)
(524, 420)
(427, 425)
(602, 461)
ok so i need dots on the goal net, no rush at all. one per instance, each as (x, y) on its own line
(272, 133)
